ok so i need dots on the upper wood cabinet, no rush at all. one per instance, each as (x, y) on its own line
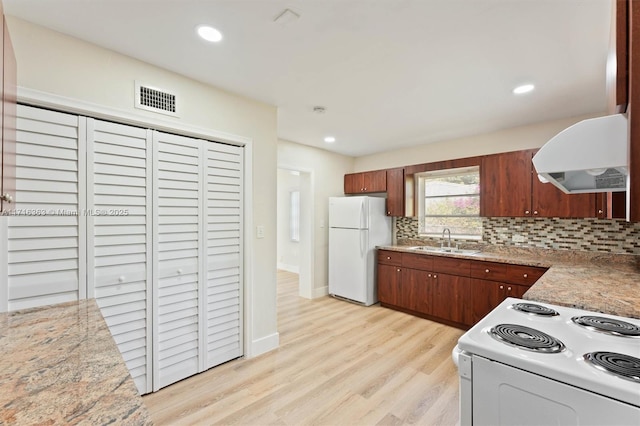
(633, 109)
(8, 71)
(618, 60)
(509, 187)
(395, 192)
(365, 182)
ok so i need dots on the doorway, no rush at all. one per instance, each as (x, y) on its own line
(294, 225)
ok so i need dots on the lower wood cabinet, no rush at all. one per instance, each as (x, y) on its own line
(451, 290)
(486, 295)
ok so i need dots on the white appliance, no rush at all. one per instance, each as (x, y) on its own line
(560, 378)
(590, 156)
(356, 226)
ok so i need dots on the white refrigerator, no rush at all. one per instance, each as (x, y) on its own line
(356, 226)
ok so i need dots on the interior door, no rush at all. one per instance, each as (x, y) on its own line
(119, 241)
(178, 231)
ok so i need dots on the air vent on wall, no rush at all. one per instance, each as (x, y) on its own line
(156, 100)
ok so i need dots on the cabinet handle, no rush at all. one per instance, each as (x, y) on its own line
(7, 197)
(388, 213)
(525, 275)
(535, 212)
(486, 270)
(398, 270)
(600, 211)
(388, 257)
(435, 276)
(527, 212)
(364, 189)
(508, 288)
(501, 287)
(429, 275)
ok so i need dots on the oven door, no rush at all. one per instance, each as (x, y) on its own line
(504, 395)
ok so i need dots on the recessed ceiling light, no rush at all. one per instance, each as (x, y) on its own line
(329, 139)
(209, 33)
(525, 88)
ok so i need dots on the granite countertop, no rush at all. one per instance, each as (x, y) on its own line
(598, 282)
(60, 365)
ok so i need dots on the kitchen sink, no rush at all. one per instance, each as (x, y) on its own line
(451, 250)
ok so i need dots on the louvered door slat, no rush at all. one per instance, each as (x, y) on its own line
(119, 203)
(45, 247)
(224, 252)
(177, 226)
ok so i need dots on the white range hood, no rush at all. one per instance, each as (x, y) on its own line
(590, 156)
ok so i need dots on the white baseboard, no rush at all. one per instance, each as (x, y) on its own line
(264, 345)
(320, 292)
(289, 268)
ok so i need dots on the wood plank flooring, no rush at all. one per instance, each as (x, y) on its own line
(338, 364)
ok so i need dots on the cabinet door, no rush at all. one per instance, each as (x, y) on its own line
(505, 184)
(450, 295)
(389, 279)
(353, 183)
(485, 295)
(415, 290)
(178, 230)
(375, 181)
(119, 241)
(395, 192)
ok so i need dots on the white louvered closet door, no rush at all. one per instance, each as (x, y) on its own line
(46, 233)
(224, 195)
(119, 240)
(178, 230)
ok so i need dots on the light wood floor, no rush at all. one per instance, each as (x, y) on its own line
(337, 364)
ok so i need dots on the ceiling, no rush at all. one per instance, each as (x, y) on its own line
(390, 74)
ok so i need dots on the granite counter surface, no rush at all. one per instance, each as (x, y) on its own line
(60, 365)
(606, 283)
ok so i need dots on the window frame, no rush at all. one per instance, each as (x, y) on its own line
(421, 180)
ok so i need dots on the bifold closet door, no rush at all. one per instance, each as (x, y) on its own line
(178, 233)
(224, 253)
(46, 226)
(119, 238)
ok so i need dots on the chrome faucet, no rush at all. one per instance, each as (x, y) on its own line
(448, 231)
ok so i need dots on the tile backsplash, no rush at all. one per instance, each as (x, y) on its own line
(600, 235)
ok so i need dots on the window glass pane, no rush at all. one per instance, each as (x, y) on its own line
(452, 206)
(294, 216)
(452, 185)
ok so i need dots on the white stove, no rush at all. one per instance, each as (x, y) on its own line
(533, 363)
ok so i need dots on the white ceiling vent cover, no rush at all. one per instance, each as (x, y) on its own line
(155, 100)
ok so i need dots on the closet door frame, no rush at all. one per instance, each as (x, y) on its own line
(75, 106)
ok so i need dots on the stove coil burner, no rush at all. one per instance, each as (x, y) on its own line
(608, 325)
(526, 338)
(532, 308)
(620, 365)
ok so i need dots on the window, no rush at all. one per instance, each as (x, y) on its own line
(450, 199)
(294, 216)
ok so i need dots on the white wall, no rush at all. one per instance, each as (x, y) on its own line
(54, 63)
(288, 251)
(327, 170)
(515, 139)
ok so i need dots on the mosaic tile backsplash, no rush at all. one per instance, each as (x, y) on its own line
(611, 236)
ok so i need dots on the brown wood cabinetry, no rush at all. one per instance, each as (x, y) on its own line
(633, 108)
(365, 182)
(9, 97)
(493, 282)
(509, 187)
(395, 192)
(450, 290)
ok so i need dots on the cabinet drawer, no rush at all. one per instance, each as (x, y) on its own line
(388, 257)
(417, 261)
(525, 275)
(452, 265)
(489, 271)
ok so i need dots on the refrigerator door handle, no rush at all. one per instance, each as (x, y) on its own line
(362, 244)
(362, 216)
